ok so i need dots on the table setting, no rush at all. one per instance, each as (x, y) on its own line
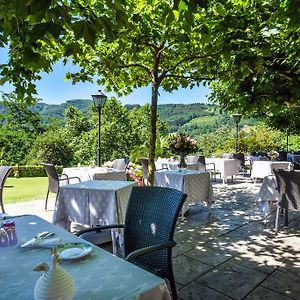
(88, 272)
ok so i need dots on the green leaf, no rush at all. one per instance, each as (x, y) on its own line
(82, 29)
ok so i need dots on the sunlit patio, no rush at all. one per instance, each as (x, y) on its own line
(227, 252)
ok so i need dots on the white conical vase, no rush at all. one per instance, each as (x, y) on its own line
(55, 283)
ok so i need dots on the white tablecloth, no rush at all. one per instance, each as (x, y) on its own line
(197, 185)
(174, 165)
(100, 275)
(261, 169)
(226, 166)
(267, 194)
(87, 173)
(92, 202)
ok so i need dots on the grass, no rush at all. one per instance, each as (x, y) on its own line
(24, 189)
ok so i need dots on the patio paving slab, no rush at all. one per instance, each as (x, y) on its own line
(232, 279)
(287, 284)
(195, 290)
(187, 269)
(208, 255)
(262, 293)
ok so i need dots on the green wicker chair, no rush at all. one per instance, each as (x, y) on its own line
(150, 222)
(288, 185)
(54, 179)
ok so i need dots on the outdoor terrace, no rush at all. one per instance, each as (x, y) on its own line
(227, 253)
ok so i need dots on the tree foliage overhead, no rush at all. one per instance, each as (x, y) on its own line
(249, 48)
(35, 34)
(159, 47)
(260, 76)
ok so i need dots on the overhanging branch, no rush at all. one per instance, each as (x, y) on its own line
(191, 77)
(135, 66)
(190, 58)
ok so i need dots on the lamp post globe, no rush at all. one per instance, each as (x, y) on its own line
(99, 100)
(237, 119)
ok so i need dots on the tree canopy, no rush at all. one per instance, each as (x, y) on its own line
(249, 50)
(260, 76)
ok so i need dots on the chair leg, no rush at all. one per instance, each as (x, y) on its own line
(56, 199)
(1, 201)
(173, 286)
(46, 200)
(286, 217)
(277, 220)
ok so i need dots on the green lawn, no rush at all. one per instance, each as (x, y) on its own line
(24, 189)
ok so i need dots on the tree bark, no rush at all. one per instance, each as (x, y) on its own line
(152, 150)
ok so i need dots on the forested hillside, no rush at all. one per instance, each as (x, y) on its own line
(196, 118)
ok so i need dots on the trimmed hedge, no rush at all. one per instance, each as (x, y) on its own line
(31, 171)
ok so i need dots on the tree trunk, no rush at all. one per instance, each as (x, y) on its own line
(154, 98)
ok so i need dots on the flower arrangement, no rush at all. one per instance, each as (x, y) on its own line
(134, 172)
(182, 144)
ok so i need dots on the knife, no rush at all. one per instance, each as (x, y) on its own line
(36, 239)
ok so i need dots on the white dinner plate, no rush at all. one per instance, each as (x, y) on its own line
(73, 250)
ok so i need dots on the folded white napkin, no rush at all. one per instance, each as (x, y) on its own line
(43, 243)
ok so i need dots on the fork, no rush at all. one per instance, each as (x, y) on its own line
(41, 236)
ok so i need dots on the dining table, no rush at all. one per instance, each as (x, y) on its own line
(197, 185)
(261, 169)
(93, 202)
(89, 173)
(97, 275)
(227, 167)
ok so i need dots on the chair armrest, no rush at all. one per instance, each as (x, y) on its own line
(211, 164)
(149, 249)
(62, 179)
(99, 228)
(75, 177)
(60, 175)
(68, 178)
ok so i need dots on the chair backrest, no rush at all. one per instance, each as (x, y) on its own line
(282, 156)
(110, 176)
(53, 179)
(151, 218)
(119, 164)
(4, 172)
(240, 157)
(145, 165)
(192, 159)
(201, 159)
(288, 184)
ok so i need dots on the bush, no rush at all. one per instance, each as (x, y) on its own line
(52, 147)
(31, 171)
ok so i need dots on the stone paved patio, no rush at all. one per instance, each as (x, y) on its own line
(227, 252)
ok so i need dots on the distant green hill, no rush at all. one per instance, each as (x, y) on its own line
(177, 115)
(49, 111)
(196, 118)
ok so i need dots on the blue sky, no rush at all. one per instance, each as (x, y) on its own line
(54, 89)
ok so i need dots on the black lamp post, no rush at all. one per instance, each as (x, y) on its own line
(99, 100)
(237, 119)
